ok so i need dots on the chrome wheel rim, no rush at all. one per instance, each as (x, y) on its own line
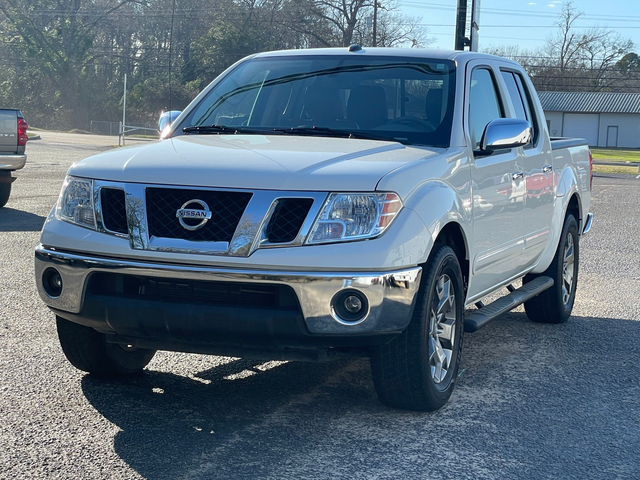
(568, 270)
(442, 329)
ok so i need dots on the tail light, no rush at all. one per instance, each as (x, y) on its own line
(590, 170)
(22, 132)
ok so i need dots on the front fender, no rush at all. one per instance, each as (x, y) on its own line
(438, 204)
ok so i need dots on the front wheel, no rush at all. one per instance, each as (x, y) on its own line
(417, 370)
(88, 350)
(555, 304)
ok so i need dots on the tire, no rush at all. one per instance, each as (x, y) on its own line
(555, 304)
(89, 351)
(408, 372)
(5, 188)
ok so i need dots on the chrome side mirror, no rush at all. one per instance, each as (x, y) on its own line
(165, 121)
(503, 133)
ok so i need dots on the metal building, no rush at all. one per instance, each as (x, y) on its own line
(604, 119)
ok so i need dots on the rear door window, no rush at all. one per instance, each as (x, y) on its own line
(521, 99)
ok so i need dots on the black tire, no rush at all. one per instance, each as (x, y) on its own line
(555, 304)
(403, 374)
(89, 351)
(5, 188)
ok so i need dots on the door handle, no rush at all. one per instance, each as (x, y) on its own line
(547, 169)
(517, 175)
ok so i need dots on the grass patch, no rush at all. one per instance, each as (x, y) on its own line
(615, 169)
(615, 154)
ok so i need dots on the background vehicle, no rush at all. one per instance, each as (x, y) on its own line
(13, 140)
(313, 204)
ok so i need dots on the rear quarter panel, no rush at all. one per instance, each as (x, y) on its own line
(572, 177)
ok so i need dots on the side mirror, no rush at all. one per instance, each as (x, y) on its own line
(503, 133)
(165, 121)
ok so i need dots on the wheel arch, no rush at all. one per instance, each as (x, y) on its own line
(453, 236)
(574, 208)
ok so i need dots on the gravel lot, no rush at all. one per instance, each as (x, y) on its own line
(533, 401)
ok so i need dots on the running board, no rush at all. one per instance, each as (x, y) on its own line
(484, 315)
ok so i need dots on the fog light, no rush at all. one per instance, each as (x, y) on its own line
(350, 307)
(352, 304)
(52, 282)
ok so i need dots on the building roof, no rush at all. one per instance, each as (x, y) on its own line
(590, 102)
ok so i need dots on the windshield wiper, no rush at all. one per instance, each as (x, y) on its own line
(321, 131)
(204, 129)
(311, 131)
(334, 132)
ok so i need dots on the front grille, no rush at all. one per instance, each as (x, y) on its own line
(226, 210)
(244, 295)
(287, 219)
(114, 210)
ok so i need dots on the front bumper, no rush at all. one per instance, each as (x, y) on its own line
(173, 322)
(12, 162)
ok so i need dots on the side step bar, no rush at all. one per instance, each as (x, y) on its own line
(484, 315)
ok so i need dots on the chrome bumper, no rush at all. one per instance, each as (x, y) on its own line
(390, 295)
(12, 162)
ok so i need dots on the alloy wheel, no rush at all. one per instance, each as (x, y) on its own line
(442, 328)
(568, 269)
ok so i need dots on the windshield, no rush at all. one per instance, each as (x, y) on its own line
(407, 100)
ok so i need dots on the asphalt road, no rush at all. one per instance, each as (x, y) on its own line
(533, 401)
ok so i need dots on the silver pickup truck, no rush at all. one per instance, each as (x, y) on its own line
(312, 204)
(13, 140)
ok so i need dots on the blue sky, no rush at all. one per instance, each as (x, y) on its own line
(526, 23)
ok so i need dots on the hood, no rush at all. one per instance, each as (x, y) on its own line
(300, 163)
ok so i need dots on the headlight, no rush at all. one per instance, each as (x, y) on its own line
(354, 216)
(75, 204)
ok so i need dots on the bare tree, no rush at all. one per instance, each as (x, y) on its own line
(576, 60)
(343, 16)
(352, 21)
(580, 60)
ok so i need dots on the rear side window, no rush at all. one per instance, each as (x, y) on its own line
(521, 100)
(484, 104)
(516, 98)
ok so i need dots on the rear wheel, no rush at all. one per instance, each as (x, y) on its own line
(555, 304)
(417, 370)
(88, 350)
(5, 187)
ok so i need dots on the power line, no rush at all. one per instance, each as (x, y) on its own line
(520, 13)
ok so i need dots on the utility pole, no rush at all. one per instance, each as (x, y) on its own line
(124, 110)
(462, 40)
(475, 25)
(375, 23)
(461, 25)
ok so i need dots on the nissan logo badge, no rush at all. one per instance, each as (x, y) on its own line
(203, 214)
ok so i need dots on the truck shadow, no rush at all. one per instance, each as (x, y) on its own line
(244, 419)
(169, 421)
(12, 220)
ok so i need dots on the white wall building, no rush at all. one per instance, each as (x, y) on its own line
(604, 119)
